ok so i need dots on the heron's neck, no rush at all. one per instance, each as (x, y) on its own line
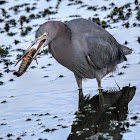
(61, 46)
(63, 38)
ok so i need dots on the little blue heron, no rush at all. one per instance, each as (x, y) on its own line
(82, 46)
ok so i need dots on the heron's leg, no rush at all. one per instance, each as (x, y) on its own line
(79, 82)
(81, 99)
(101, 97)
(99, 84)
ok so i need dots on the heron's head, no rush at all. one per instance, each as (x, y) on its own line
(44, 35)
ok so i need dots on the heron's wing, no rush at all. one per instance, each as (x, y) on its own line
(102, 54)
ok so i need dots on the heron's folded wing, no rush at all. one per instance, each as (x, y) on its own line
(103, 54)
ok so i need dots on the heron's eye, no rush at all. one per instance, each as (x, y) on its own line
(45, 35)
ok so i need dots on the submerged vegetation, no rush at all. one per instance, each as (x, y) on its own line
(138, 16)
(139, 39)
(3, 52)
(103, 23)
(26, 31)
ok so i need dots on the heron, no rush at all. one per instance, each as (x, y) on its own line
(82, 46)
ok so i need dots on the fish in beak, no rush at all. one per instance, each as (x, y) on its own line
(26, 61)
(41, 41)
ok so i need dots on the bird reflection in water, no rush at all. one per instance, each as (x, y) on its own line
(103, 116)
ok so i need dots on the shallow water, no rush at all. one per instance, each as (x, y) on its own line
(33, 106)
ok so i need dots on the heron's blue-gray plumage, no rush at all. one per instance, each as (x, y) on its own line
(84, 47)
(90, 39)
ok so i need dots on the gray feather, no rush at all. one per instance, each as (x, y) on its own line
(104, 54)
(126, 50)
(83, 47)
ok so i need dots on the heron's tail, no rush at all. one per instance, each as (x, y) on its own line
(126, 50)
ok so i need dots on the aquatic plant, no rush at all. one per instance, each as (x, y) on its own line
(138, 16)
(11, 34)
(2, 2)
(25, 32)
(6, 27)
(3, 52)
(139, 39)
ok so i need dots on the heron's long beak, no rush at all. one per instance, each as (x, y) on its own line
(39, 48)
(41, 40)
